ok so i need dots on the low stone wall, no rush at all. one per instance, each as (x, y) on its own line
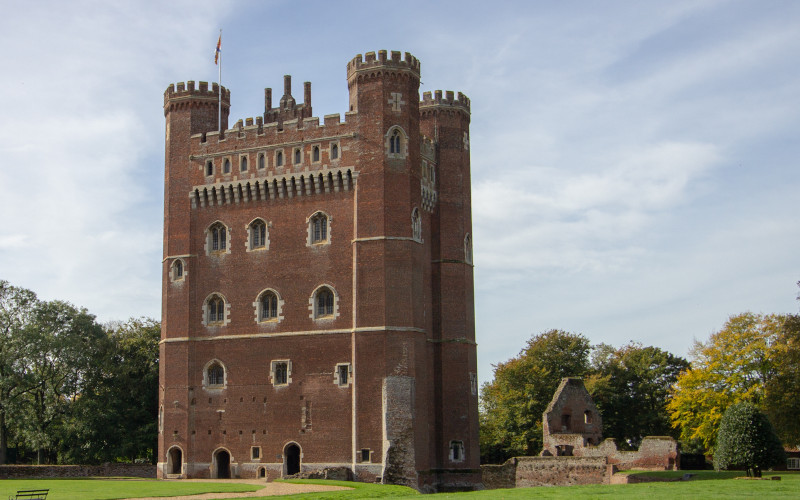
(59, 471)
(500, 476)
(523, 472)
(655, 453)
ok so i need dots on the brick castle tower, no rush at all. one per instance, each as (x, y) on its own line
(318, 307)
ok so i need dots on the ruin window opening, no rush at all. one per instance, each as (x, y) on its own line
(565, 420)
(365, 455)
(587, 417)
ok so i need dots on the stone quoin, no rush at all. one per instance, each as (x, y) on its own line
(318, 311)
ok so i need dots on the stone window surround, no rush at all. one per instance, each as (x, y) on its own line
(312, 304)
(248, 229)
(244, 162)
(209, 168)
(295, 159)
(255, 453)
(416, 225)
(272, 366)
(456, 446)
(331, 146)
(279, 157)
(262, 161)
(337, 380)
(403, 153)
(208, 236)
(318, 148)
(257, 307)
(216, 387)
(173, 270)
(226, 309)
(309, 223)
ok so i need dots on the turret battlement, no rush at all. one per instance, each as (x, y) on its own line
(449, 99)
(187, 91)
(383, 59)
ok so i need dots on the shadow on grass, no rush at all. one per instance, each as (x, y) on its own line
(696, 475)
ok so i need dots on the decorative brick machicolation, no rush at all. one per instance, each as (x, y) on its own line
(365, 217)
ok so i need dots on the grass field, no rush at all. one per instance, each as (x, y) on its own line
(705, 484)
(104, 489)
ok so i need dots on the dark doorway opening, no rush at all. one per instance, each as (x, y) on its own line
(291, 457)
(174, 461)
(223, 461)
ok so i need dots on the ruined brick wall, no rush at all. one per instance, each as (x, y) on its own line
(394, 256)
(69, 471)
(571, 420)
(655, 453)
(524, 472)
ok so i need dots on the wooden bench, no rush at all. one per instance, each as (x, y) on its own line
(30, 495)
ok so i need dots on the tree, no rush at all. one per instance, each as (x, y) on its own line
(64, 346)
(512, 404)
(116, 416)
(782, 391)
(747, 440)
(16, 309)
(732, 366)
(631, 387)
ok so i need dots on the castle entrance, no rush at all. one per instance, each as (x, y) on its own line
(222, 465)
(291, 459)
(174, 461)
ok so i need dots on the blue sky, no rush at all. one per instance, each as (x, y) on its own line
(634, 163)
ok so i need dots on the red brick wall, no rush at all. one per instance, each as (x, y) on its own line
(405, 307)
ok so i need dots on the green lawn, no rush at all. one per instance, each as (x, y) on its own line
(705, 484)
(103, 489)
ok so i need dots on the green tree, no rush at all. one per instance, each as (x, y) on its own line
(16, 309)
(782, 391)
(512, 404)
(747, 440)
(733, 366)
(116, 416)
(631, 387)
(64, 346)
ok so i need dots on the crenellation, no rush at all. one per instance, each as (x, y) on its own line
(446, 99)
(331, 120)
(370, 61)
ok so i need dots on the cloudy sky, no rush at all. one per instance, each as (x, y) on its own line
(634, 163)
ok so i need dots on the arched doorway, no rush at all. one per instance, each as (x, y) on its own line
(291, 459)
(174, 460)
(222, 464)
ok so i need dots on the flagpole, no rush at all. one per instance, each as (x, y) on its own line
(219, 112)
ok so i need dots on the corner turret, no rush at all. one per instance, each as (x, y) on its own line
(201, 103)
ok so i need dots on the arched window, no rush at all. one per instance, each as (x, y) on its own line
(279, 159)
(297, 156)
(226, 168)
(334, 151)
(209, 167)
(215, 374)
(217, 238)
(262, 161)
(258, 234)
(396, 143)
(416, 225)
(177, 270)
(318, 228)
(243, 164)
(215, 310)
(268, 306)
(315, 154)
(468, 249)
(324, 303)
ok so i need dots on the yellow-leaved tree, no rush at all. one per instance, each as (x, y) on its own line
(733, 366)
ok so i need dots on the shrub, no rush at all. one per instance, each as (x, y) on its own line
(747, 440)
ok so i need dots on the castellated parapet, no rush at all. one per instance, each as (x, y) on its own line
(318, 311)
